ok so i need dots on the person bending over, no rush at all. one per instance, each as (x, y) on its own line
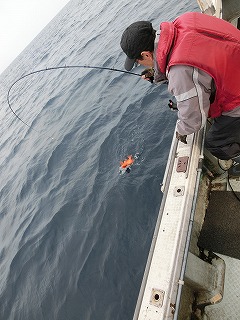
(199, 56)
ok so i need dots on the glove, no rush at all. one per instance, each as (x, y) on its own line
(172, 105)
(181, 138)
(148, 74)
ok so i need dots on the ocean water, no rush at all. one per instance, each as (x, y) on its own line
(74, 233)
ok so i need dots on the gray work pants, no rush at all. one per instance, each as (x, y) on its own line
(223, 138)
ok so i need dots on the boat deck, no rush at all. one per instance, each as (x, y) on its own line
(228, 308)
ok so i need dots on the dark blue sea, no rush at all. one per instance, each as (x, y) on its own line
(74, 233)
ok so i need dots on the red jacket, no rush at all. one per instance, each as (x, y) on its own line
(207, 43)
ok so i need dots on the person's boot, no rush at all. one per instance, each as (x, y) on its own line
(225, 164)
(234, 171)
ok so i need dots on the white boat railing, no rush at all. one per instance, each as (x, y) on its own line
(161, 286)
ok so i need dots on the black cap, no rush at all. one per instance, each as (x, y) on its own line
(138, 37)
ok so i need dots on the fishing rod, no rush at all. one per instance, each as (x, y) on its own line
(57, 68)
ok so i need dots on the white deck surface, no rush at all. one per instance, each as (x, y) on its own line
(229, 307)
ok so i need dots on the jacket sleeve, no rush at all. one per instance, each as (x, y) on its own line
(191, 88)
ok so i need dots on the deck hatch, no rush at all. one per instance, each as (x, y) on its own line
(182, 164)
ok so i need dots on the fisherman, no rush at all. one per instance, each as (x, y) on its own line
(199, 56)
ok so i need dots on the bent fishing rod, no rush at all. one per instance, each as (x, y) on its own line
(57, 68)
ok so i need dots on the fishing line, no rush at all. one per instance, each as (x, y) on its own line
(57, 68)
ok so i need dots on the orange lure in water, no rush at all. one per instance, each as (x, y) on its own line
(127, 162)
